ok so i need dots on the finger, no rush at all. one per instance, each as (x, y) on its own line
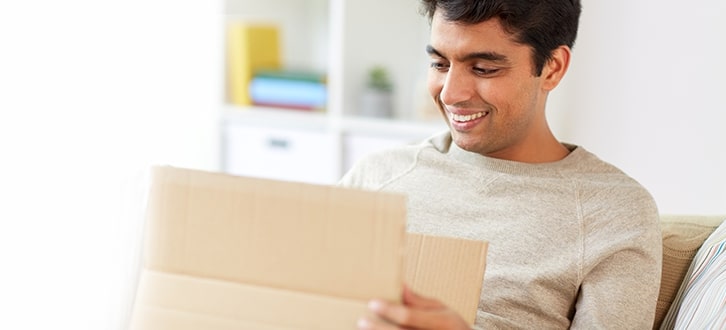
(413, 299)
(367, 323)
(404, 315)
(418, 318)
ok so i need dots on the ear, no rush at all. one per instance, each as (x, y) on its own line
(556, 67)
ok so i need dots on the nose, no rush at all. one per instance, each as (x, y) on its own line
(458, 86)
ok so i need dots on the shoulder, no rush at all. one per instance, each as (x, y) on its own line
(590, 171)
(607, 190)
(379, 168)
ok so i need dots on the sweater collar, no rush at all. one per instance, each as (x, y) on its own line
(446, 145)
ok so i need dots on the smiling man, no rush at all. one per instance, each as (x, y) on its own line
(487, 87)
(573, 241)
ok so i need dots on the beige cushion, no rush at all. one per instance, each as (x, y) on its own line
(699, 303)
(682, 236)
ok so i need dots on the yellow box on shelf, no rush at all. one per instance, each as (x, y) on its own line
(250, 47)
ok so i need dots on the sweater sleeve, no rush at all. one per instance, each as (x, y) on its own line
(621, 263)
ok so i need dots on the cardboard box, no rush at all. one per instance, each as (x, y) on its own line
(227, 252)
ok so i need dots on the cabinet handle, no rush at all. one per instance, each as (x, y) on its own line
(278, 143)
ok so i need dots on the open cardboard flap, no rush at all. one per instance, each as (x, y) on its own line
(229, 252)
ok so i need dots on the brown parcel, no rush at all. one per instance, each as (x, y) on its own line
(226, 252)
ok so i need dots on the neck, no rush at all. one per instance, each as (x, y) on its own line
(538, 148)
(548, 154)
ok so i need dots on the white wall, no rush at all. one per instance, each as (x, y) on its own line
(91, 94)
(645, 92)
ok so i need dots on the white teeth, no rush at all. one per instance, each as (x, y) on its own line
(462, 118)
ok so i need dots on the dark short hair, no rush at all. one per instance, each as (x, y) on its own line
(544, 25)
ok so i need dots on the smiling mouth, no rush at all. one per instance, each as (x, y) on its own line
(466, 118)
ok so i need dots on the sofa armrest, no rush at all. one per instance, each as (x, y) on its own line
(683, 235)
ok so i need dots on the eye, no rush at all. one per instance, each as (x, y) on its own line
(439, 66)
(485, 71)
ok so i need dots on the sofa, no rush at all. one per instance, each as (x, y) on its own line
(683, 236)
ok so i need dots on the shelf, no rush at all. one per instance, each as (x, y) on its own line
(320, 121)
(390, 127)
(276, 117)
(336, 37)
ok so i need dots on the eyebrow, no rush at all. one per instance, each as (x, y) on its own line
(487, 56)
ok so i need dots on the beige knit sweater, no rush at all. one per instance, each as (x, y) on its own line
(572, 244)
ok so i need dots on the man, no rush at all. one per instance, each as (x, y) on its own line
(573, 241)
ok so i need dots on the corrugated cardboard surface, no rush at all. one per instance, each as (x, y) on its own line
(226, 252)
(446, 268)
(188, 302)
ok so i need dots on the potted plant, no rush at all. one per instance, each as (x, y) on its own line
(377, 97)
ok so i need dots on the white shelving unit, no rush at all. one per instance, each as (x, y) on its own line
(344, 39)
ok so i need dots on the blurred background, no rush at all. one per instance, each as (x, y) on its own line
(92, 93)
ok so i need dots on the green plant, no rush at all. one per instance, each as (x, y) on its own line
(378, 79)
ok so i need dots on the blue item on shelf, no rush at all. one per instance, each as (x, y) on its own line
(290, 93)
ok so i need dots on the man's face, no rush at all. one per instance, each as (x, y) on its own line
(485, 86)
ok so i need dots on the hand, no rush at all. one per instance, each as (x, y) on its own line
(417, 312)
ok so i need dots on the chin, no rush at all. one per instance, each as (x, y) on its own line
(467, 143)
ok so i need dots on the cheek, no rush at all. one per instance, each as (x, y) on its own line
(434, 83)
(528, 96)
(508, 94)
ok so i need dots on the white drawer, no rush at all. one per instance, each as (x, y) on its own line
(293, 155)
